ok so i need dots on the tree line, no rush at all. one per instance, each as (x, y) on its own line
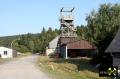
(102, 26)
(31, 43)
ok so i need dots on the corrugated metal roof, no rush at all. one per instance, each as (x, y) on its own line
(65, 40)
(81, 44)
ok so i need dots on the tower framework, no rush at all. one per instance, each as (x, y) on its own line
(67, 23)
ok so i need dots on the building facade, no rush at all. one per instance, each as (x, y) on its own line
(7, 52)
(52, 46)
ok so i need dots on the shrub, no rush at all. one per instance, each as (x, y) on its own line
(94, 60)
(52, 55)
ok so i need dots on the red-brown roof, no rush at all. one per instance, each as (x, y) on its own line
(81, 44)
(65, 40)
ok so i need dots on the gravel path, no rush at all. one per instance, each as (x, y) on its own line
(23, 68)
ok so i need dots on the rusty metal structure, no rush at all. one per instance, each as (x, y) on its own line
(67, 23)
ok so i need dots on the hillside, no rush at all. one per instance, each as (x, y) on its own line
(30, 42)
(6, 40)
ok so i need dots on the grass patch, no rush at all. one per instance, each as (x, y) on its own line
(68, 69)
(4, 60)
(1, 61)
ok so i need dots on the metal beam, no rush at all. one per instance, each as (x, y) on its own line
(63, 9)
(72, 9)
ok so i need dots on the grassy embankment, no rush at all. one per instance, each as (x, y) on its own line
(68, 69)
(4, 60)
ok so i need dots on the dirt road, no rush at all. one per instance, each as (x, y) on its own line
(23, 68)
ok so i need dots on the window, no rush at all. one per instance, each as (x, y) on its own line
(5, 52)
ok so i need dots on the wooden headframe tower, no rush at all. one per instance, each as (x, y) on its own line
(67, 23)
(67, 29)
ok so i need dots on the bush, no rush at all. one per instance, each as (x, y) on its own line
(52, 55)
(94, 60)
(23, 49)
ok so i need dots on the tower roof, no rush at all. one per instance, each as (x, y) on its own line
(67, 9)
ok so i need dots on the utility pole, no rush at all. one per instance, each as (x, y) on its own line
(13, 42)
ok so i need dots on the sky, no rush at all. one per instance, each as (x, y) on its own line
(30, 16)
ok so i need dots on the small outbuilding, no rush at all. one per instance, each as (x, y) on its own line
(76, 48)
(114, 50)
(7, 52)
(52, 46)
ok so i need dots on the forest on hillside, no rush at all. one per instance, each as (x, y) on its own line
(101, 28)
(26, 43)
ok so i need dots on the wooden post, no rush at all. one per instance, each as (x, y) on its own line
(66, 53)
